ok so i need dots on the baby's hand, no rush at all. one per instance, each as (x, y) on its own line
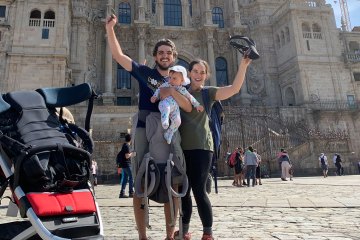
(153, 99)
(200, 108)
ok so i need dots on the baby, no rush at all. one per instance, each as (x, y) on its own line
(168, 107)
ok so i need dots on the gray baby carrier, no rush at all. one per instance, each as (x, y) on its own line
(161, 168)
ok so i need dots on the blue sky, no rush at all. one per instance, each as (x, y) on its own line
(354, 11)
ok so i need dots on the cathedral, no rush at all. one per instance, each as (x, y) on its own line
(305, 85)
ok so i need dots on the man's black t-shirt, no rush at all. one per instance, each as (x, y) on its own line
(124, 163)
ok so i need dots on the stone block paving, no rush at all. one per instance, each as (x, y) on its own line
(309, 208)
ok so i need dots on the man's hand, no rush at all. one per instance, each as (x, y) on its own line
(153, 99)
(111, 21)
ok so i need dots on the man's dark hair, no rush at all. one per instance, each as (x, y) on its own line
(166, 42)
(127, 137)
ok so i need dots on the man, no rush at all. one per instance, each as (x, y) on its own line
(164, 54)
(125, 164)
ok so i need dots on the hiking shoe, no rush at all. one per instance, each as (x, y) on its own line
(207, 237)
(131, 195)
(187, 236)
(123, 196)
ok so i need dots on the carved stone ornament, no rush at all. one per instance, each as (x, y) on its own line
(255, 80)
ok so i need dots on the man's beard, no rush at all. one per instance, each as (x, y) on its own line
(163, 68)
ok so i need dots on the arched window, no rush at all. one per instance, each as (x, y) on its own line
(124, 13)
(289, 97)
(35, 14)
(190, 8)
(306, 30)
(49, 15)
(35, 18)
(316, 27)
(183, 63)
(49, 19)
(153, 6)
(217, 17)
(123, 80)
(172, 13)
(221, 72)
(316, 31)
(354, 47)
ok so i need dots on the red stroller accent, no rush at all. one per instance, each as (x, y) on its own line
(46, 163)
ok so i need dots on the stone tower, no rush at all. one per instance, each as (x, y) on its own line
(36, 44)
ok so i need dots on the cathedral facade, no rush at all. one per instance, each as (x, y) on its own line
(309, 69)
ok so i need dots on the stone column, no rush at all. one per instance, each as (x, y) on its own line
(210, 53)
(185, 12)
(141, 37)
(141, 10)
(108, 95)
(160, 12)
(237, 21)
(208, 14)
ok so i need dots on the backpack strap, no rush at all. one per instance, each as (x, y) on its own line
(206, 100)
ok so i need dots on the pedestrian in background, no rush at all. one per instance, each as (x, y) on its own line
(251, 161)
(285, 166)
(94, 168)
(323, 164)
(258, 169)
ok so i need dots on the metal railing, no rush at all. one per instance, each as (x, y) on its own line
(331, 105)
(353, 57)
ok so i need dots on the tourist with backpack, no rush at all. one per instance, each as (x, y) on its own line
(323, 164)
(125, 163)
(197, 142)
(149, 79)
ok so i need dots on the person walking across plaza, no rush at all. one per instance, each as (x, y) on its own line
(324, 164)
(338, 165)
(197, 142)
(285, 166)
(125, 164)
(258, 169)
(164, 54)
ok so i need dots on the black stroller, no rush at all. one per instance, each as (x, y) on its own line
(45, 161)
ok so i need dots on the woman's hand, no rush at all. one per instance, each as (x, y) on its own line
(245, 62)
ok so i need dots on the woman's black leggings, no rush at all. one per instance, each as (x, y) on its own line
(198, 163)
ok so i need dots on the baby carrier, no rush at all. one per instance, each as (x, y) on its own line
(161, 168)
(46, 163)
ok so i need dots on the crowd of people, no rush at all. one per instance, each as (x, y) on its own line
(247, 165)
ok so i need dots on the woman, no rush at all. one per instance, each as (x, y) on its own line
(197, 142)
(251, 161)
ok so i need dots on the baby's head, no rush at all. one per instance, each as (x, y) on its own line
(178, 76)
